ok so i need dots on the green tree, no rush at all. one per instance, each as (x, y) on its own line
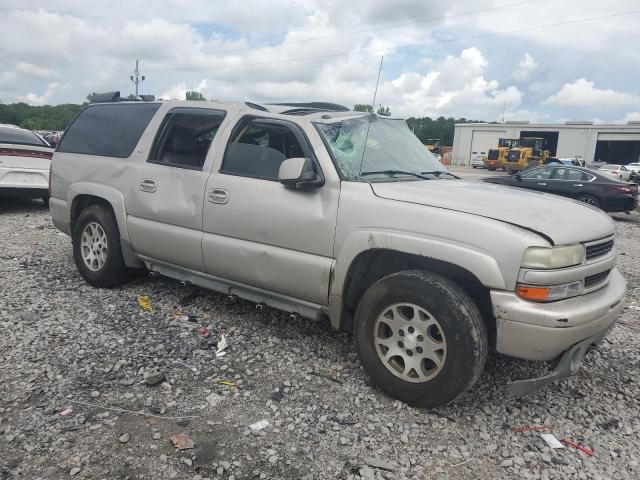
(45, 117)
(193, 95)
(363, 107)
(428, 130)
(384, 111)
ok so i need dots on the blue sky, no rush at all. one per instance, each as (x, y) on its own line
(60, 50)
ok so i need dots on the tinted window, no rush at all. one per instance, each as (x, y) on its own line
(537, 173)
(20, 136)
(569, 174)
(185, 136)
(111, 130)
(259, 148)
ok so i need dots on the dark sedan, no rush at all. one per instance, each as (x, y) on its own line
(582, 184)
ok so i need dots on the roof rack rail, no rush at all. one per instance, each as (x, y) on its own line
(316, 105)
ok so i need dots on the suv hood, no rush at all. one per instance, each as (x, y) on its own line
(562, 220)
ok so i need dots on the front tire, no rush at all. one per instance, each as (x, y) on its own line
(420, 338)
(96, 248)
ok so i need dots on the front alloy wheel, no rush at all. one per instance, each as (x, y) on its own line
(420, 337)
(410, 342)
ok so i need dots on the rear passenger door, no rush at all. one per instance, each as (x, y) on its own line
(568, 182)
(258, 232)
(164, 207)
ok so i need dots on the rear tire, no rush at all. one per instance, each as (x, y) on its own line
(437, 341)
(589, 200)
(96, 248)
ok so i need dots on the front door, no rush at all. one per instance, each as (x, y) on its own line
(164, 207)
(258, 232)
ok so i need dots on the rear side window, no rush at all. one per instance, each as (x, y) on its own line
(185, 136)
(110, 130)
(20, 136)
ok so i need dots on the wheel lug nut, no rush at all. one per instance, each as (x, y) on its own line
(410, 353)
(420, 338)
(401, 333)
(411, 329)
(400, 344)
(419, 349)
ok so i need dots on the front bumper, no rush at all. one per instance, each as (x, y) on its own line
(581, 324)
(543, 331)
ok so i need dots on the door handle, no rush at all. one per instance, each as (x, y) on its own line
(578, 185)
(542, 184)
(218, 195)
(148, 185)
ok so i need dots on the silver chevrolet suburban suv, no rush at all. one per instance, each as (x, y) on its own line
(324, 212)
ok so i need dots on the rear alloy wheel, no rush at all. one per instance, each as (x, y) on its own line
(589, 200)
(420, 338)
(96, 248)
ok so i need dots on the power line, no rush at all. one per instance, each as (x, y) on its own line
(386, 49)
(355, 32)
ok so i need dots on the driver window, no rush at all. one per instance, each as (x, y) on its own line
(259, 148)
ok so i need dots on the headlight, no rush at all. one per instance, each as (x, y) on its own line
(536, 293)
(555, 257)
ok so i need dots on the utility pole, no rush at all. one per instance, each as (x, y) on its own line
(136, 78)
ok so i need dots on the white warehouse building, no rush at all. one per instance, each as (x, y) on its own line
(611, 143)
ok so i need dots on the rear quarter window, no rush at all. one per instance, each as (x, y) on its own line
(110, 130)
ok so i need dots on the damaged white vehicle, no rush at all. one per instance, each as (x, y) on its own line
(320, 211)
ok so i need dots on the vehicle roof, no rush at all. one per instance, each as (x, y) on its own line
(313, 111)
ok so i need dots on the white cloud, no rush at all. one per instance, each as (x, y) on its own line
(630, 117)
(33, 99)
(583, 93)
(526, 67)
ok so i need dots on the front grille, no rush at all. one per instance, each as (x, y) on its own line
(599, 249)
(595, 279)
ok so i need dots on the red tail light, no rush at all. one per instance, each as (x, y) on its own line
(628, 189)
(16, 152)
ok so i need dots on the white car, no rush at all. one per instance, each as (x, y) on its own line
(25, 161)
(634, 167)
(621, 172)
(477, 161)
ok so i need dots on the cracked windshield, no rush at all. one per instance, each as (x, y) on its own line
(390, 146)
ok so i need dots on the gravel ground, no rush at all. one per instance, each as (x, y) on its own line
(68, 348)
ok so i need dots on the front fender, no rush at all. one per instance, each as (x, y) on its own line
(477, 262)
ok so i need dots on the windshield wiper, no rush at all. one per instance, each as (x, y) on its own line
(437, 173)
(395, 172)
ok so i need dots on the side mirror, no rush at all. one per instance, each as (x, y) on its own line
(299, 173)
(518, 177)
